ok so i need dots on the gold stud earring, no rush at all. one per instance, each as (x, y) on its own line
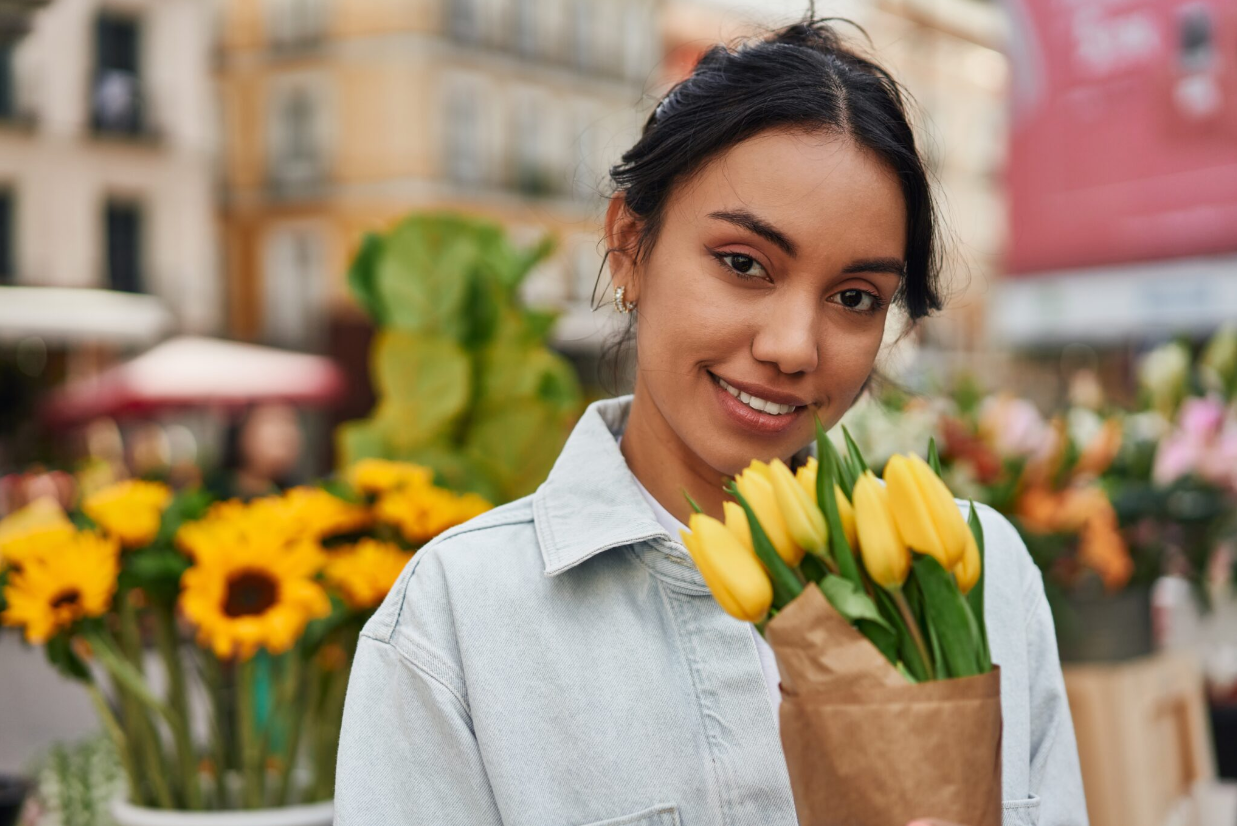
(622, 306)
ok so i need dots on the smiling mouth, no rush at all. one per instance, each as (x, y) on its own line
(755, 402)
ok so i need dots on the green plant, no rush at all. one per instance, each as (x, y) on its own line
(465, 382)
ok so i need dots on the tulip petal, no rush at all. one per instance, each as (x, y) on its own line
(732, 572)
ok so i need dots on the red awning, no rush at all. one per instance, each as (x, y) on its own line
(197, 372)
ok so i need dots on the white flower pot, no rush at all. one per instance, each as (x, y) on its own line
(312, 814)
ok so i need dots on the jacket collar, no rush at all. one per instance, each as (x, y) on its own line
(590, 502)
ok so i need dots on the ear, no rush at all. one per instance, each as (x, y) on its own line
(622, 233)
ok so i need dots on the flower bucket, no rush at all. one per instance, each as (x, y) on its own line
(312, 814)
(1099, 627)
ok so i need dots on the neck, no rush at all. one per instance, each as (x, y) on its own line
(665, 465)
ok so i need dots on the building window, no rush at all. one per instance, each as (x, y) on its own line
(582, 34)
(116, 96)
(8, 102)
(464, 20)
(294, 290)
(465, 162)
(297, 137)
(526, 27)
(7, 231)
(296, 24)
(123, 242)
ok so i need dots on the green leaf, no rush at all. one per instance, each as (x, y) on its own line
(975, 598)
(933, 458)
(156, 570)
(186, 506)
(424, 382)
(860, 611)
(852, 602)
(826, 476)
(362, 277)
(908, 652)
(812, 568)
(785, 584)
(852, 449)
(845, 473)
(61, 655)
(949, 617)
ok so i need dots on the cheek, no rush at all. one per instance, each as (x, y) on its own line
(848, 355)
(688, 315)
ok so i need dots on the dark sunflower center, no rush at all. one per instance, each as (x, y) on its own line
(67, 599)
(249, 593)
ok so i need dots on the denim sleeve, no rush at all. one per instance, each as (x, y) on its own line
(1055, 773)
(407, 752)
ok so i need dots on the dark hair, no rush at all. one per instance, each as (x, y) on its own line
(801, 76)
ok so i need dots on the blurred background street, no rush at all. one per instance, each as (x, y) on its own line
(187, 292)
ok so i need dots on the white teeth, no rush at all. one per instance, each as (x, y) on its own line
(755, 402)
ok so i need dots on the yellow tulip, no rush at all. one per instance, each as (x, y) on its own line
(806, 477)
(924, 509)
(847, 513)
(967, 569)
(736, 523)
(803, 519)
(885, 554)
(755, 486)
(732, 572)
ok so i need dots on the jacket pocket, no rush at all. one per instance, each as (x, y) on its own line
(663, 815)
(1020, 812)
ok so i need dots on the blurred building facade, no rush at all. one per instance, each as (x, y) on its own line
(106, 150)
(340, 117)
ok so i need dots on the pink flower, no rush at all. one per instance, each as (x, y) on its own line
(1204, 442)
(1177, 456)
(1201, 418)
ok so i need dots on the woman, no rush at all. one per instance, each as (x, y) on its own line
(559, 660)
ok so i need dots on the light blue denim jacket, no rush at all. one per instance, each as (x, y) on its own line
(559, 661)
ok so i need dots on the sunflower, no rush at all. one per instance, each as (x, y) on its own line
(254, 594)
(382, 475)
(261, 523)
(318, 513)
(37, 528)
(130, 511)
(423, 513)
(53, 590)
(365, 572)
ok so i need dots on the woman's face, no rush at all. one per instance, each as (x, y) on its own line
(763, 300)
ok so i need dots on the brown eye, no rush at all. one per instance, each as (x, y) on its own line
(742, 265)
(860, 301)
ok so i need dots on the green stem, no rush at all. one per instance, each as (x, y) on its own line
(908, 617)
(295, 705)
(213, 679)
(169, 648)
(117, 735)
(135, 699)
(335, 710)
(247, 736)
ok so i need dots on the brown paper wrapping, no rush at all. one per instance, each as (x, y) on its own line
(866, 748)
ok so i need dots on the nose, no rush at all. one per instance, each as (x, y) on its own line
(787, 338)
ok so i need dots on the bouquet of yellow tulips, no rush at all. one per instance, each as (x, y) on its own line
(870, 592)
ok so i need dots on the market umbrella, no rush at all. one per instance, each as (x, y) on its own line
(192, 371)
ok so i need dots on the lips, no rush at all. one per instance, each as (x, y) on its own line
(765, 411)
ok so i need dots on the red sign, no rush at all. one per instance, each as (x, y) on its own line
(1124, 131)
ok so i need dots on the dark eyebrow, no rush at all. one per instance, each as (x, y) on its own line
(894, 266)
(752, 223)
